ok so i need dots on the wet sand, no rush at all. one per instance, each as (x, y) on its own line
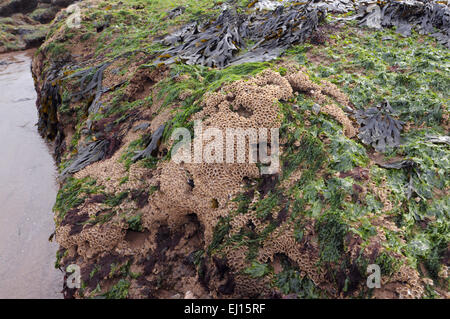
(27, 189)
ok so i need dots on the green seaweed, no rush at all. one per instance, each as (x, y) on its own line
(73, 193)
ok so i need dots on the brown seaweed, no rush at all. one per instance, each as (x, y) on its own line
(91, 153)
(221, 42)
(378, 127)
(153, 146)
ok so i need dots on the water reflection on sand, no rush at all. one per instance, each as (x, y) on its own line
(27, 189)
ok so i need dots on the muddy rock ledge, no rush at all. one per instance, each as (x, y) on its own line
(24, 23)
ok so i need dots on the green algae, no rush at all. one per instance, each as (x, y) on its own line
(119, 290)
(135, 223)
(73, 193)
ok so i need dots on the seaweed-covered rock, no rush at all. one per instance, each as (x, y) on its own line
(429, 17)
(337, 6)
(25, 22)
(143, 225)
(44, 14)
(218, 43)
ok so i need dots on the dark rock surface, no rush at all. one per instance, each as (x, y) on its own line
(45, 13)
(9, 7)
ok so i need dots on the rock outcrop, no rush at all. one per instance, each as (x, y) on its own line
(23, 23)
(10, 7)
(141, 224)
